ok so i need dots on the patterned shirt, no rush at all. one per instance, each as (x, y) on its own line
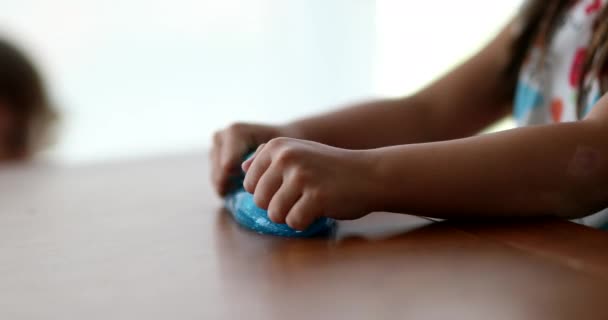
(548, 86)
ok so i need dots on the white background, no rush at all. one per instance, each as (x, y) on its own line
(139, 77)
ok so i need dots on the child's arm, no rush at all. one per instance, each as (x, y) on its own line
(557, 170)
(458, 105)
(553, 170)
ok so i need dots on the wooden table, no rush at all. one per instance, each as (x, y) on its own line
(149, 240)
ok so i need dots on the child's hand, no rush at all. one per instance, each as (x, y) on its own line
(231, 144)
(298, 181)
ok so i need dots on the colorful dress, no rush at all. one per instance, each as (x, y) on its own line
(548, 85)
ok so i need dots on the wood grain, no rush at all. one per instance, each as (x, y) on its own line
(147, 239)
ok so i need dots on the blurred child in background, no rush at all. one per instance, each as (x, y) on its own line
(419, 154)
(26, 115)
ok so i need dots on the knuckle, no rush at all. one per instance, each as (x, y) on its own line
(299, 176)
(286, 156)
(278, 142)
(273, 144)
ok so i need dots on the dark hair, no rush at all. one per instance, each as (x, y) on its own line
(538, 22)
(22, 89)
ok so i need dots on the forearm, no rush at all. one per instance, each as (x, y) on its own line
(368, 125)
(524, 171)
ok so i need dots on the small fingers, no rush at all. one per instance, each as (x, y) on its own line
(267, 187)
(247, 163)
(233, 148)
(217, 175)
(215, 171)
(282, 201)
(256, 167)
(303, 213)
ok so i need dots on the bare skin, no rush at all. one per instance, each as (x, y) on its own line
(417, 155)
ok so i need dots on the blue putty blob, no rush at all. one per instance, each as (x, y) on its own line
(246, 213)
(240, 203)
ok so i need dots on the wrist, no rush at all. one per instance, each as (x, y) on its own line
(386, 188)
(291, 130)
(377, 189)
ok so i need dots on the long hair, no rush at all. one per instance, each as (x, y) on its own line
(539, 20)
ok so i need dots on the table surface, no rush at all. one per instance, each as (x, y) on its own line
(148, 239)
